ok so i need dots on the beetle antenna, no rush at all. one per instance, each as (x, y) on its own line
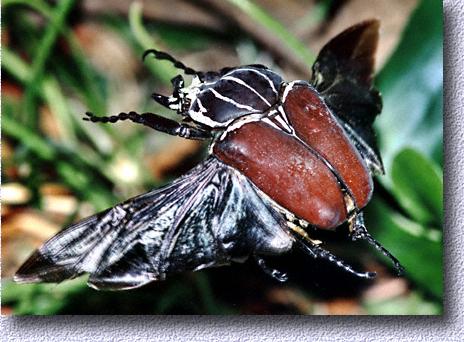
(360, 232)
(318, 252)
(160, 55)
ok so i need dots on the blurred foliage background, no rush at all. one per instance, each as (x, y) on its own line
(62, 58)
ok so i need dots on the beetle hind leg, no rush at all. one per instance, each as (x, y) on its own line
(359, 232)
(316, 251)
(274, 273)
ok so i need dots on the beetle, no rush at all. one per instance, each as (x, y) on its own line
(285, 158)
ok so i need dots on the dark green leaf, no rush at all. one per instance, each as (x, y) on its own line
(39, 299)
(418, 248)
(412, 88)
(57, 21)
(418, 186)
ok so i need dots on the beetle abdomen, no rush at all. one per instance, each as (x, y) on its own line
(316, 126)
(285, 170)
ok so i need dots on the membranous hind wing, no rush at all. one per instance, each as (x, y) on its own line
(343, 75)
(210, 217)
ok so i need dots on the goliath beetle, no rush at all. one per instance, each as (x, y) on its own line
(284, 158)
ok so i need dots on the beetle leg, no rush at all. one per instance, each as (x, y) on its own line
(170, 102)
(177, 100)
(181, 103)
(300, 231)
(156, 122)
(276, 274)
(177, 82)
(359, 232)
(318, 252)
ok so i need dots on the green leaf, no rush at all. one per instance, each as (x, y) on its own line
(39, 299)
(13, 128)
(57, 21)
(264, 19)
(39, 6)
(74, 172)
(185, 40)
(50, 91)
(418, 248)
(163, 71)
(412, 88)
(418, 186)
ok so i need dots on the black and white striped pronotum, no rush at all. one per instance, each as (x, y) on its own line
(285, 158)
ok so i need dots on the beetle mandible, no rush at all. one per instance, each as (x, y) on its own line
(283, 157)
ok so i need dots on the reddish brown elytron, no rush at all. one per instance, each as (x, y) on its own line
(287, 171)
(300, 171)
(316, 126)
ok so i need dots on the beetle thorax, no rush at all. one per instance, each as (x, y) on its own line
(220, 98)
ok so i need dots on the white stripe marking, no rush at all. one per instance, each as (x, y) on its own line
(201, 118)
(270, 123)
(232, 102)
(287, 90)
(239, 81)
(257, 72)
(200, 104)
(284, 124)
(240, 122)
(284, 115)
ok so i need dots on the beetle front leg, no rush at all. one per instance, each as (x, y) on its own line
(177, 100)
(156, 122)
(166, 101)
